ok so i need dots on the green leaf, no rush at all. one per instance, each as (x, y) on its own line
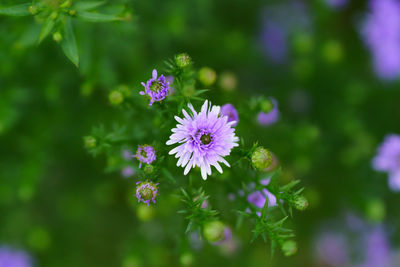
(169, 176)
(18, 10)
(96, 17)
(199, 92)
(87, 5)
(68, 44)
(47, 27)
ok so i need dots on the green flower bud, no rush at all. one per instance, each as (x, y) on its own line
(57, 37)
(289, 248)
(376, 210)
(227, 81)
(33, 10)
(214, 231)
(261, 158)
(39, 239)
(53, 15)
(116, 97)
(189, 90)
(72, 12)
(207, 76)
(303, 43)
(90, 141)
(186, 259)
(145, 213)
(266, 105)
(332, 51)
(125, 90)
(183, 60)
(148, 169)
(300, 203)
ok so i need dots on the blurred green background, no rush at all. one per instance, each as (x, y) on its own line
(58, 203)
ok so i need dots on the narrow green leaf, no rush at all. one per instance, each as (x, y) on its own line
(68, 43)
(169, 176)
(18, 10)
(47, 27)
(87, 5)
(199, 92)
(96, 17)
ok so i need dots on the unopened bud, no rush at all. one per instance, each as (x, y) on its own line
(183, 60)
(53, 15)
(376, 210)
(90, 141)
(72, 12)
(261, 158)
(289, 248)
(300, 203)
(207, 76)
(145, 213)
(33, 10)
(227, 81)
(148, 169)
(57, 37)
(214, 231)
(186, 259)
(116, 97)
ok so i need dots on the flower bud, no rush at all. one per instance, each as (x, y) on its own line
(375, 210)
(72, 12)
(332, 51)
(116, 97)
(186, 259)
(289, 248)
(189, 91)
(53, 15)
(57, 37)
(207, 76)
(183, 60)
(300, 203)
(146, 192)
(145, 213)
(227, 81)
(214, 231)
(148, 169)
(261, 158)
(33, 10)
(266, 105)
(90, 141)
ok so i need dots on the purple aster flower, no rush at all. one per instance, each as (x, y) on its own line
(146, 192)
(156, 88)
(258, 198)
(230, 111)
(127, 172)
(381, 32)
(204, 138)
(271, 117)
(145, 154)
(14, 258)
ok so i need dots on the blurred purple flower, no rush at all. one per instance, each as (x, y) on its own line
(271, 117)
(279, 21)
(381, 31)
(127, 154)
(336, 3)
(388, 160)
(14, 258)
(258, 198)
(331, 248)
(230, 111)
(377, 249)
(127, 172)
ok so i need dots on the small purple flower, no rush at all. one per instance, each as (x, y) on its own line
(145, 154)
(146, 192)
(156, 88)
(127, 154)
(258, 198)
(230, 111)
(388, 160)
(14, 258)
(271, 117)
(127, 172)
(204, 138)
(381, 32)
